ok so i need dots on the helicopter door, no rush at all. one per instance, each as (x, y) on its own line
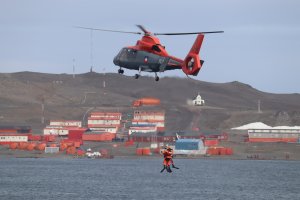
(163, 63)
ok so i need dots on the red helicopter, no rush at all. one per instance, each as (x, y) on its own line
(151, 56)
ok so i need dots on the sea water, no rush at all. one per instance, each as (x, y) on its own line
(140, 178)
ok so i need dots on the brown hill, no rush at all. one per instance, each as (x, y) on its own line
(64, 97)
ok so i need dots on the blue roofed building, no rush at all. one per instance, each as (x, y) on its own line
(189, 147)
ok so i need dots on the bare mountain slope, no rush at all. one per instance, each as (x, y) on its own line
(228, 104)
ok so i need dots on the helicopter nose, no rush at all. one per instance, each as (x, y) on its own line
(116, 60)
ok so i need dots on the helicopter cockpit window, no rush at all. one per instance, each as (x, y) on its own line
(123, 53)
(131, 53)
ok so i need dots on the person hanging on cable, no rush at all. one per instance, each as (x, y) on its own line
(168, 159)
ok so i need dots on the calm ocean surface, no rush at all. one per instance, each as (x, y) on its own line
(119, 178)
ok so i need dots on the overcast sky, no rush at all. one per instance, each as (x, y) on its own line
(260, 46)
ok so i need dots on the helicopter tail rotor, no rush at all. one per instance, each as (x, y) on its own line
(192, 63)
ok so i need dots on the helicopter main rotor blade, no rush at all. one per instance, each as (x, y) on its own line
(107, 30)
(191, 33)
(142, 28)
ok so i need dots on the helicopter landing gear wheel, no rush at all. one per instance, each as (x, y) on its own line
(121, 71)
(136, 76)
(156, 77)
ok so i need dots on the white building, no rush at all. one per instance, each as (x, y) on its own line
(68, 123)
(105, 121)
(12, 137)
(147, 129)
(150, 118)
(198, 101)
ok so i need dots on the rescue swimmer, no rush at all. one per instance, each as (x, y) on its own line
(168, 159)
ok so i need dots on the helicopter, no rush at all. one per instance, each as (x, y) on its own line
(150, 55)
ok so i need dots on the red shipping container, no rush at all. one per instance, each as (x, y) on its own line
(76, 134)
(139, 151)
(211, 142)
(146, 151)
(34, 137)
(213, 151)
(76, 144)
(129, 143)
(293, 140)
(229, 151)
(49, 138)
(223, 151)
(70, 142)
(80, 152)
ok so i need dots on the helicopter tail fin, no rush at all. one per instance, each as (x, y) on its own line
(192, 63)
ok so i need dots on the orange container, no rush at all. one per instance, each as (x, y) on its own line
(157, 150)
(146, 101)
(139, 151)
(63, 146)
(99, 137)
(209, 151)
(31, 146)
(23, 145)
(211, 142)
(69, 144)
(213, 151)
(41, 147)
(76, 144)
(35, 137)
(229, 151)
(129, 143)
(146, 151)
(13, 145)
(52, 145)
(222, 151)
(71, 150)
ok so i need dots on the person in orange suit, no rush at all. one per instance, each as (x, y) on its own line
(168, 160)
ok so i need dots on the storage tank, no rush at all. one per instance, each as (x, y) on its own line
(13, 145)
(71, 150)
(23, 145)
(41, 147)
(63, 146)
(31, 146)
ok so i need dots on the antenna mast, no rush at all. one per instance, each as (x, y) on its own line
(91, 56)
(73, 67)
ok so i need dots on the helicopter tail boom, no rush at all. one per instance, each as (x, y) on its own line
(192, 63)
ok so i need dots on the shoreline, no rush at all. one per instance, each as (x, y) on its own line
(135, 157)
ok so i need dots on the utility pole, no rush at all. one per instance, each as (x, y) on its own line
(258, 107)
(91, 56)
(43, 111)
(73, 67)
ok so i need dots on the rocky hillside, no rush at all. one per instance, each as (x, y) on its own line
(64, 97)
